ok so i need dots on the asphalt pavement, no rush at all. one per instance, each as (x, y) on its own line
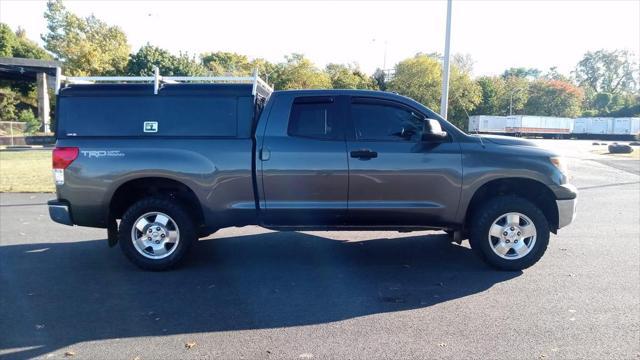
(255, 294)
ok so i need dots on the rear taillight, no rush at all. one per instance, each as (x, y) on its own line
(64, 156)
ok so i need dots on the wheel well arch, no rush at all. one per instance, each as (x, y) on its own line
(134, 190)
(534, 191)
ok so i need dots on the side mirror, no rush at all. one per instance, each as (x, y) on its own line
(433, 131)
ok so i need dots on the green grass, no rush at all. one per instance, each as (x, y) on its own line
(26, 171)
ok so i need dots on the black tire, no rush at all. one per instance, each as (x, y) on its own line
(187, 233)
(484, 218)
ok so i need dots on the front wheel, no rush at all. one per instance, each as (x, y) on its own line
(510, 233)
(155, 233)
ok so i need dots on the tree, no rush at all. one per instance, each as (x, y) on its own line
(493, 92)
(420, 78)
(88, 46)
(521, 72)
(380, 77)
(500, 95)
(188, 65)
(142, 63)
(464, 62)
(554, 98)
(266, 69)
(18, 45)
(299, 72)
(8, 104)
(227, 63)
(25, 48)
(465, 95)
(515, 96)
(615, 105)
(349, 77)
(7, 40)
(613, 72)
(625, 106)
(602, 101)
(554, 74)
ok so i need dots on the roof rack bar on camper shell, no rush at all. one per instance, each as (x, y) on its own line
(157, 79)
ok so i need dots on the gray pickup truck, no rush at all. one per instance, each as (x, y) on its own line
(161, 165)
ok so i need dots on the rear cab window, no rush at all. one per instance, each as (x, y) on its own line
(315, 117)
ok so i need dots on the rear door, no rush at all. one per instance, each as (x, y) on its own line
(304, 163)
(394, 177)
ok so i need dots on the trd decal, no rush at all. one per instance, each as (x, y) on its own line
(101, 153)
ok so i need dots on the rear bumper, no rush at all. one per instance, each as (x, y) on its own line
(60, 212)
(566, 211)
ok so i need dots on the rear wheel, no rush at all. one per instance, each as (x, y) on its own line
(510, 233)
(156, 233)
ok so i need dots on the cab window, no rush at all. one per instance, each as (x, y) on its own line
(384, 121)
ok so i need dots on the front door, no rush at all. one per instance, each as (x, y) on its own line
(304, 163)
(394, 177)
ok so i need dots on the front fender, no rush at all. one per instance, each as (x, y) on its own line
(483, 164)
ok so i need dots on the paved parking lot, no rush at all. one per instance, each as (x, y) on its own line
(251, 293)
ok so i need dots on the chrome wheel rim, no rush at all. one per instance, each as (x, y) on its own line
(512, 236)
(155, 235)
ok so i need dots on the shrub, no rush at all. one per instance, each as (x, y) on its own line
(31, 121)
(8, 103)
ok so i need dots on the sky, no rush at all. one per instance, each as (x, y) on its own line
(497, 34)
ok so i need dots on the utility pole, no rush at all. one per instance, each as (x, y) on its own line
(384, 56)
(444, 100)
(384, 60)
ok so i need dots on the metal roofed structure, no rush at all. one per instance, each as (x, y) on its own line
(26, 69)
(22, 69)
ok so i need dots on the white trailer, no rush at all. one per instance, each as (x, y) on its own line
(487, 124)
(521, 125)
(601, 126)
(626, 126)
(580, 126)
(549, 126)
(606, 127)
(592, 125)
(539, 125)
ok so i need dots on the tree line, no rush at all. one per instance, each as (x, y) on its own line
(604, 83)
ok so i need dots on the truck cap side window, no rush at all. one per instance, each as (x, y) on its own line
(313, 117)
(174, 115)
(383, 121)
